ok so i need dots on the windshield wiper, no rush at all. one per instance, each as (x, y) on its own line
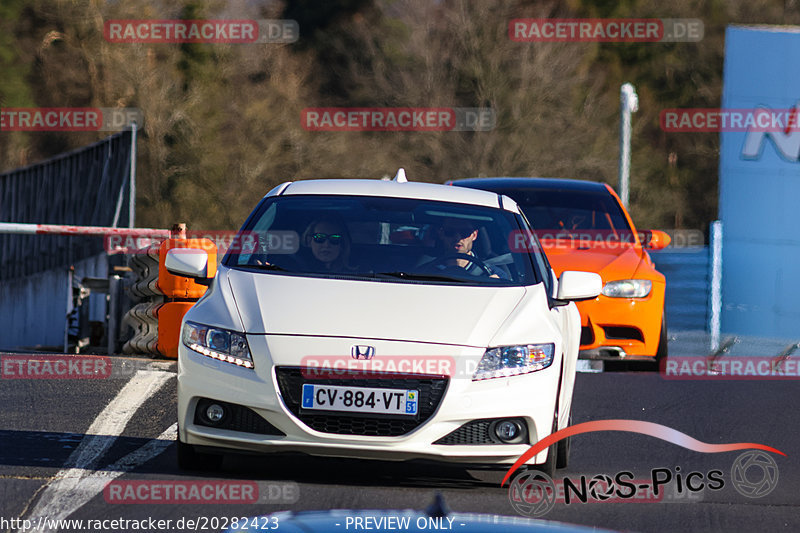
(267, 266)
(418, 277)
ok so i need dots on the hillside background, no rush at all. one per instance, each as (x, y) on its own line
(222, 122)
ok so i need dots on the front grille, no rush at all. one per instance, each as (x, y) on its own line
(237, 418)
(475, 432)
(622, 333)
(481, 432)
(431, 391)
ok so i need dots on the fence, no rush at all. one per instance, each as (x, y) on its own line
(688, 287)
(89, 187)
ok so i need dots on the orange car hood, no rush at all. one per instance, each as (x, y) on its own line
(616, 262)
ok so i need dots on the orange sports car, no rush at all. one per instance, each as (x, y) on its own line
(582, 225)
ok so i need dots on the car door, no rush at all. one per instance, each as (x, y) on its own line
(569, 322)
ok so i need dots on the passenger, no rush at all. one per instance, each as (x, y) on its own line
(329, 242)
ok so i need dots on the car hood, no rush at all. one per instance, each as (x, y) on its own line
(444, 314)
(611, 262)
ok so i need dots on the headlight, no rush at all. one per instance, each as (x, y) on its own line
(216, 343)
(627, 288)
(514, 360)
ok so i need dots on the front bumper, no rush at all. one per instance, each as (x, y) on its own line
(616, 329)
(530, 397)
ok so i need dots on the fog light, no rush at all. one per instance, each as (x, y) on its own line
(507, 430)
(215, 413)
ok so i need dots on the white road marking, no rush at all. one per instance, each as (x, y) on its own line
(63, 495)
(92, 482)
(142, 455)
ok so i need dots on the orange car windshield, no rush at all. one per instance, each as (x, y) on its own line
(584, 215)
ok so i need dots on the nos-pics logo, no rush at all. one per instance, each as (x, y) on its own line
(754, 474)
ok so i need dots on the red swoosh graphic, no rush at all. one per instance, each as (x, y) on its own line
(635, 426)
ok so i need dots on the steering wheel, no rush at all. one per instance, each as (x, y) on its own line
(443, 259)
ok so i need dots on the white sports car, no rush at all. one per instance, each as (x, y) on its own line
(379, 319)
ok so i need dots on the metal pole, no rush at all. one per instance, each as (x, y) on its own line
(629, 103)
(70, 276)
(113, 306)
(715, 321)
(132, 180)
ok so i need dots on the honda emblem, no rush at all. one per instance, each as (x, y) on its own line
(359, 351)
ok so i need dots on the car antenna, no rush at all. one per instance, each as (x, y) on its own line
(400, 177)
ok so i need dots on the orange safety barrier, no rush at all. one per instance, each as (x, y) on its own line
(170, 314)
(178, 286)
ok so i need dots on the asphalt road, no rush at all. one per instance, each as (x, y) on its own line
(64, 440)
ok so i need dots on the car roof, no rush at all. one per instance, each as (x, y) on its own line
(563, 184)
(395, 189)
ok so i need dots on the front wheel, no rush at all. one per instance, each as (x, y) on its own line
(550, 464)
(190, 459)
(663, 345)
(564, 445)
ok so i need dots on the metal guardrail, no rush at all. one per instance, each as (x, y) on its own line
(688, 287)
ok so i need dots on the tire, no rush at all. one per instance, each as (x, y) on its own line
(190, 459)
(663, 346)
(564, 445)
(549, 466)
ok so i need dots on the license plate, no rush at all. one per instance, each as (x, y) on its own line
(360, 399)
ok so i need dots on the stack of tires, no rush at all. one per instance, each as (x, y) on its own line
(162, 298)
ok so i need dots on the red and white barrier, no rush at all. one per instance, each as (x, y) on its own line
(56, 229)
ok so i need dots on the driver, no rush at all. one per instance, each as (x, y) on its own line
(456, 236)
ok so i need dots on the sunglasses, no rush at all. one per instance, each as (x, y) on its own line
(334, 238)
(457, 232)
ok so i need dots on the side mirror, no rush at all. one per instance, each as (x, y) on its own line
(188, 262)
(575, 286)
(655, 239)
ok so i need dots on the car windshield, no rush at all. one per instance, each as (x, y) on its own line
(583, 215)
(384, 239)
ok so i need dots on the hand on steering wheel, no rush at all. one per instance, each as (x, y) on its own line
(443, 260)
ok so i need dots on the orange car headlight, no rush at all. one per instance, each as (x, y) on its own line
(627, 288)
